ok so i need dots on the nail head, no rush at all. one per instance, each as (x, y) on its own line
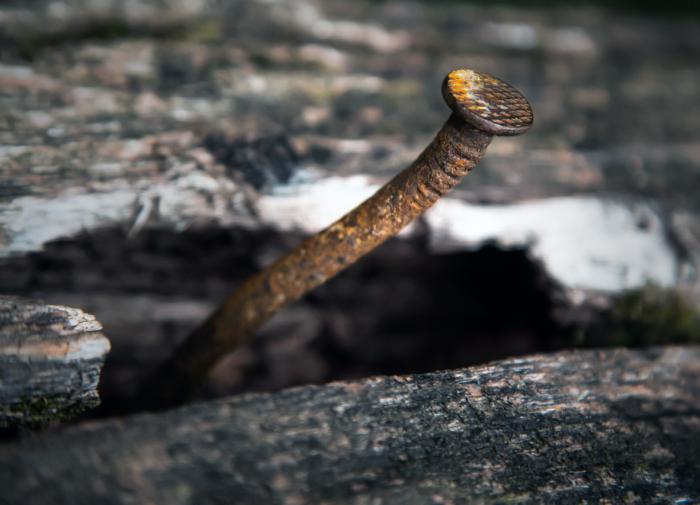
(487, 103)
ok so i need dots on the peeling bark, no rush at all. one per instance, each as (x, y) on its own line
(575, 427)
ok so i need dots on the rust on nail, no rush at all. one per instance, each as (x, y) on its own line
(482, 106)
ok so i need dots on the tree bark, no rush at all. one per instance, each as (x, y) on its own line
(617, 426)
(50, 361)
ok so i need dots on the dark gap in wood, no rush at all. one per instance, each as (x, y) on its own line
(402, 309)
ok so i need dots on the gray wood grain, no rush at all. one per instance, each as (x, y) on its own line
(50, 361)
(575, 427)
(186, 115)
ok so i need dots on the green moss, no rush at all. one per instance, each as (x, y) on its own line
(207, 31)
(652, 315)
(38, 412)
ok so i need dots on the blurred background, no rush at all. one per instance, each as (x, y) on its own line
(155, 153)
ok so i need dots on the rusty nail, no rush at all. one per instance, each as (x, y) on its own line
(482, 106)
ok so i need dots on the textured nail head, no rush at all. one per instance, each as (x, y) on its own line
(487, 103)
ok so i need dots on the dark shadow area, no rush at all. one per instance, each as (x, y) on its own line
(402, 309)
(676, 8)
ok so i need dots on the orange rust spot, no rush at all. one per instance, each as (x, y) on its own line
(500, 108)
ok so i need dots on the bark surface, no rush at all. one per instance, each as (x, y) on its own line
(596, 427)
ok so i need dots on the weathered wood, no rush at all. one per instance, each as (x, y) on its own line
(102, 130)
(616, 426)
(173, 123)
(50, 361)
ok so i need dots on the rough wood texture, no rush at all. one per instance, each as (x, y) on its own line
(50, 361)
(185, 114)
(575, 427)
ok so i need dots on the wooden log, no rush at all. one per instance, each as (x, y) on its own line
(50, 361)
(106, 123)
(615, 426)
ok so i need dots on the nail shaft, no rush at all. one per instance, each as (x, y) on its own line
(454, 152)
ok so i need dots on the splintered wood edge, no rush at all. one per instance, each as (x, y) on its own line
(32, 330)
(51, 358)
